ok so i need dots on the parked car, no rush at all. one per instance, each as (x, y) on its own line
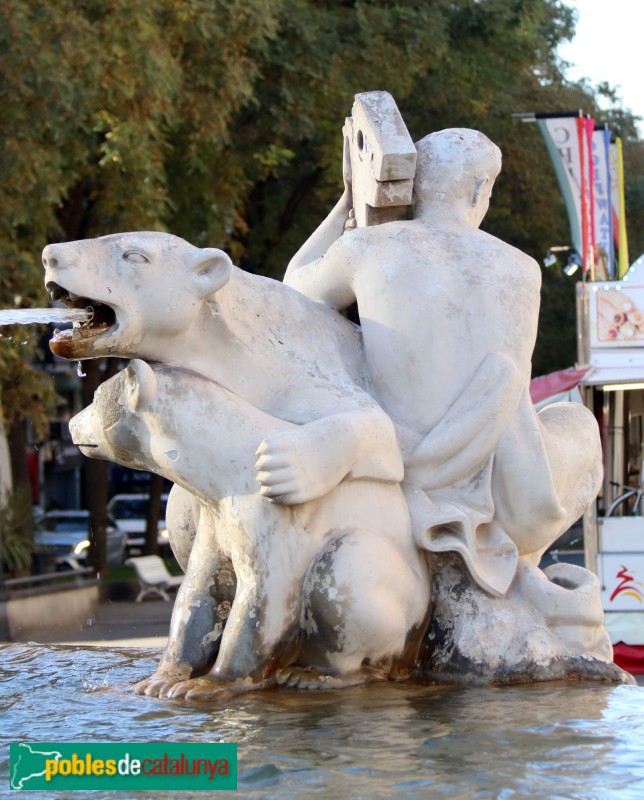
(66, 534)
(131, 512)
(568, 548)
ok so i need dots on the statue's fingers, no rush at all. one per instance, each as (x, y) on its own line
(151, 686)
(263, 447)
(280, 491)
(288, 495)
(270, 446)
(200, 692)
(295, 497)
(271, 462)
(194, 688)
(275, 477)
(159, 688)
(197, 694)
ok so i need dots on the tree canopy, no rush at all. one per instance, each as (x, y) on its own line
(220, 121)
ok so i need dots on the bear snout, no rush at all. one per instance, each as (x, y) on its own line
(51, 257)
(81, 428)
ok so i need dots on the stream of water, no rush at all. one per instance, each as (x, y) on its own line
(551, 741)
(30, 316)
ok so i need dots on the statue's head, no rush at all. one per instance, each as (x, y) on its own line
(456, 167)
(144, 287)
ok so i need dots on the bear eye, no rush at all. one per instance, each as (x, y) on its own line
(135, 257)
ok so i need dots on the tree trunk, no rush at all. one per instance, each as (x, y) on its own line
(151, 547)
(96, 480)
(17, 440)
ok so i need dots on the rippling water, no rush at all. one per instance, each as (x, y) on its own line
(380, 741)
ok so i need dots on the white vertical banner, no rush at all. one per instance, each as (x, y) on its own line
(560, 135)
(604, 250)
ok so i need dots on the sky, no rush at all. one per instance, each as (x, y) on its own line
(608, 46)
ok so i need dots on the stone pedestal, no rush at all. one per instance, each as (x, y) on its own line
(474, 638)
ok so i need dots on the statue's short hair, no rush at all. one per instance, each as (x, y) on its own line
(450, 161)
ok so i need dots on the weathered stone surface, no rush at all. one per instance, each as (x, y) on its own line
(449, 317)
(382, 159)
(536, 632)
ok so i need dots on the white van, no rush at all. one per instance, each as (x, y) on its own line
(130, 512)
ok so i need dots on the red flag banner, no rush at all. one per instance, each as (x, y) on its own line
(568, 140)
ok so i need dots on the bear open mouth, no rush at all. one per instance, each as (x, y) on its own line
(70, 342)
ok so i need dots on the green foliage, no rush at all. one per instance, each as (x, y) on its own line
(220, 120)
(26, 391)
(634, 179)
(557, 340)
(16, 531)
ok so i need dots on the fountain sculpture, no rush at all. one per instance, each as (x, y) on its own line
(350, 503)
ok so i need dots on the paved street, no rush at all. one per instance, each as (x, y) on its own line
(143, 624)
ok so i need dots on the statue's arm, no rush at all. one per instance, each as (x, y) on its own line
(330, 278)
(307, 461)
(470, 430)
(330, 229)
(322, 238)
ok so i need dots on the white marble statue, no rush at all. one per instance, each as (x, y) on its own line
(449, 320)
(315, 425)
(331, 584)
(344, 492)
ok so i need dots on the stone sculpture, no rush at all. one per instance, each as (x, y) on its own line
(158, 298)
(449, 320)
(332, 583)
(427, 400)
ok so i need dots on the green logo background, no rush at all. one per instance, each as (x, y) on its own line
(162, 766)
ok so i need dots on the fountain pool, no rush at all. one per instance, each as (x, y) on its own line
(550, 740)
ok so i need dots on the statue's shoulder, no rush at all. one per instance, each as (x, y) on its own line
(510, 258)
(528, 265)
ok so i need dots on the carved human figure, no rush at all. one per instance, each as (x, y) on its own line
(449, 319)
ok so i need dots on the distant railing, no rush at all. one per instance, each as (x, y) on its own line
(47, 577)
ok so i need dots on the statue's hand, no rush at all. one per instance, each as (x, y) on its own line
(346, 166)
(295, 467)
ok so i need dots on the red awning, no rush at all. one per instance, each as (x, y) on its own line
(555, 383)
(629, 657)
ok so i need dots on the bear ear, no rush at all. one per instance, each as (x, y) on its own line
(140, 384)
(210, 270)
